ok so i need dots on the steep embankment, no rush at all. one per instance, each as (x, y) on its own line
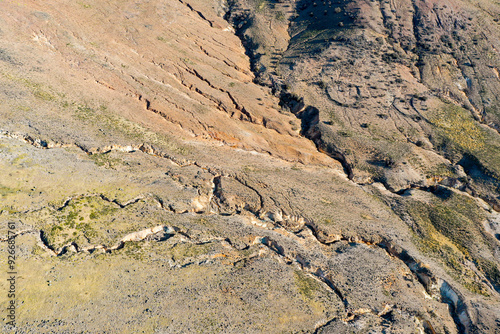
(403, 93)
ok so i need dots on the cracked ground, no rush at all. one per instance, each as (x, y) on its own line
(189, 166)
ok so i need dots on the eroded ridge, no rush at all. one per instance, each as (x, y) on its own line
(296, 225)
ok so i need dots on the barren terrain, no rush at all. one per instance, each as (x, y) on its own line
(251, 166)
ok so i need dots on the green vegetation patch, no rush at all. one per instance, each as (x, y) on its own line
(36, 89)
(450, 228)
(105, 160)
(184, 251)
(309, 34)
(307, 286)
(457, 127)
(458, 134)
(261, 5)
(5, 191)
(82, 221)
(442, 170)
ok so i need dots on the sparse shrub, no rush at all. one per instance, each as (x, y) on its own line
(280, 16)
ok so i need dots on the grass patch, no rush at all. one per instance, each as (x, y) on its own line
(104, 211)
(134, 250)
(105, 160)
(307, 286)
(450, 229)
(20, 159)
(43, 95)
(458, 127)
(5, 191)
(309, 34)
(442, 170)
(260, 5)
(36, 89)
(279, 16)
(80, 221)
(458, 134)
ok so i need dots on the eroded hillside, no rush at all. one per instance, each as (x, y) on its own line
(253, 166)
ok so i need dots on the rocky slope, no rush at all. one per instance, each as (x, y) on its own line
(253, 166)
